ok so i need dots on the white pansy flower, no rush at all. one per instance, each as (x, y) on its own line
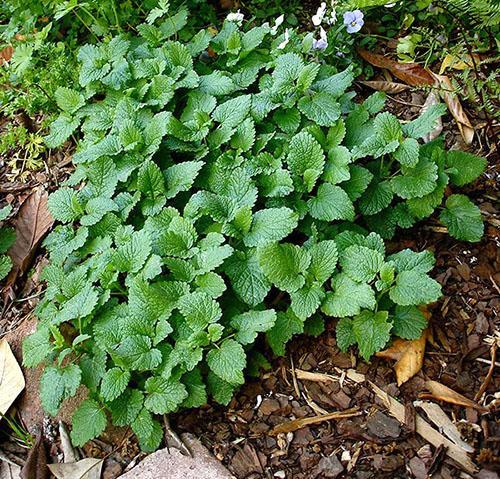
(284, 43)
(318, 18)
(235, 17)
(277, 24)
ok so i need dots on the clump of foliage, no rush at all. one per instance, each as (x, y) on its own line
(221, 190)
(7, 238)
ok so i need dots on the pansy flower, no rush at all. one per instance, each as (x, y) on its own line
(277, 24)
(353, 21)
(236, 17)
(284, 43)
(322, 42)
(318, 18)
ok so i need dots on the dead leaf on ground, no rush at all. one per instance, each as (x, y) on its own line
(459, 63)
(411, 73)
(36, 463)
(6, 54)
(439, 418)
(456, 453)
(295, 424)
(440, 392)
(172, 439)
(451, 99)
(69, 453)
(409, 356)
(386, 86)
(11, 377)
(32, 223)
(89, 468)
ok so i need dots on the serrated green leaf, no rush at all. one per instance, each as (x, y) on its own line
(462, 218)
(407, 152)
(247, 279)
(331, 203)
(408, 322)
(306, 300)
(283, 265)
(232, 112)
(345, 334)
(58, 384)
(417, 181)
(249, 324)
(321, 107)
(36, 347)
(164, 395)
(324, 256)
(372, 332)
(89, 421)
(361, 263)
(286, 326)
(114, 382)
(228, 361)
(270, 225)
(414, 288)
(465, 167)
(304, 154)
(377, 197)
(347, 297)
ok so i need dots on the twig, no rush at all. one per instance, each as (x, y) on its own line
(488, 377)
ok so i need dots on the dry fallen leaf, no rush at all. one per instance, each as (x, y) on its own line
(89, 468)
(458, 63)
(411, 73)
(454, 452)
(440, 392)
(453, 103)
(6, 54)
(69, 453)
(409, 356)
(295, 424)
(36, 463)
(32, 223)
(11, 377)
(386, 86)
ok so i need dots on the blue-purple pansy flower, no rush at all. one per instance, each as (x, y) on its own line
(353, 21)
(322, 42)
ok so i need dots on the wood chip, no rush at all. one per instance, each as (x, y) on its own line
(454, 452)
(295, 424)
(439, 418)
(317, 377)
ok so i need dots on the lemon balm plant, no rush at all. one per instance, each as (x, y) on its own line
(223, 189)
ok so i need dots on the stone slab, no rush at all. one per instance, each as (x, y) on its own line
(171, 464)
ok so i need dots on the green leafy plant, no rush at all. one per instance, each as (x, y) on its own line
(7, 238)
(216, 197)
